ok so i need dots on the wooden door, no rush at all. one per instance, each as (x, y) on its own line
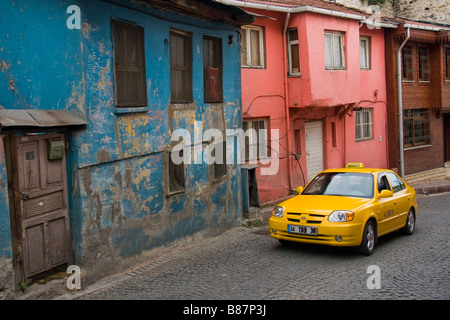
(43, 203)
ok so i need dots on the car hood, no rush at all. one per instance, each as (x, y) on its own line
(322, 204)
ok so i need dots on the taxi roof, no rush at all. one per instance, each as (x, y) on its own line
(356, 167)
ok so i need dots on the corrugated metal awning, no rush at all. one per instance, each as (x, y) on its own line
(12, 118)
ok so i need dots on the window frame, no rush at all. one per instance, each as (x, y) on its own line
(364, 129)
(424, 67)
(119, 40)
(447, 63)
(171, 169)
(246, 55)
(220, 171)
(247, 124)
(383, 182)
(396, 183)
(367, 53)
(186, 96)
(217, 63)
(407, 64)
(332, 52)
(422, 120)
(291, 45)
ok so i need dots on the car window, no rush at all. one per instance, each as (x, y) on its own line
(349, 184)
(383, 183)
(396, 183)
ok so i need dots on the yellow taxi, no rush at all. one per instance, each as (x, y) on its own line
(350, 206)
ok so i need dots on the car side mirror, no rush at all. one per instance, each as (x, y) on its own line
(299, 190)
(385, 194)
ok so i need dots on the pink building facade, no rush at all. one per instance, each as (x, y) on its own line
(318, 77)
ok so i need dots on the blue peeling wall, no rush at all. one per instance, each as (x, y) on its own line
(41, 60)
(119, 205)
(41, 67)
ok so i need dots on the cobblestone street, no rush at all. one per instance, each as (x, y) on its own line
(245, 263)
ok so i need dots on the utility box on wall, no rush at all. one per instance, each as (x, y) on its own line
(55, 149)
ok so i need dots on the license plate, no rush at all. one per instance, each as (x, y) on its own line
(302, 229)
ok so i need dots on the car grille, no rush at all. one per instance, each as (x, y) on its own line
(310, 218)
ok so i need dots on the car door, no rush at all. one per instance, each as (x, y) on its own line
(385, 209)
(401, 199)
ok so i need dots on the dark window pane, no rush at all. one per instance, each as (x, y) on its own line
(176, 174)
(181, 67)
(129, 65)
(212, 69)
(407, 71)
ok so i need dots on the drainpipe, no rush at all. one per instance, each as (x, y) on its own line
(286, 99)
(400, 104)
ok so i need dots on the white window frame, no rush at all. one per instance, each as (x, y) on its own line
(292, 43)
(253, 140)
(366, 52)
(246, 60)
(364, 124)
(334, 63)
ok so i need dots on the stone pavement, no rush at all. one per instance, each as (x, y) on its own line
(247, 264)
(56, 288)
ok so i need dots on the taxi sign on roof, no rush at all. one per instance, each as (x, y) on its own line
(355, 165)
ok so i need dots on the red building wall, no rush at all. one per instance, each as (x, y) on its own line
(317, 95)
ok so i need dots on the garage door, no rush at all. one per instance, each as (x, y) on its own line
(314, 148)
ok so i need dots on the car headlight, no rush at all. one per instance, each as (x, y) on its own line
(341, 216)
(278, 211)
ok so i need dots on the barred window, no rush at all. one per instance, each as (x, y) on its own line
(255, 140)
(416, 128)
(364, 124)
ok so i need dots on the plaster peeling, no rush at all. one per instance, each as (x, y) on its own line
(77, 99)
(130, 122)
(133, 139)
(87, 29)
(4, 66)
(84, 148)
(186, 117)
(105, 81)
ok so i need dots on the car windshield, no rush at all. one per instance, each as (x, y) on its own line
(348, 184)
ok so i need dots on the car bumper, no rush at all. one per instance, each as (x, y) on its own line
(334, 234)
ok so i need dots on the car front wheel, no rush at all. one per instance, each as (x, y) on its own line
(367, 245)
